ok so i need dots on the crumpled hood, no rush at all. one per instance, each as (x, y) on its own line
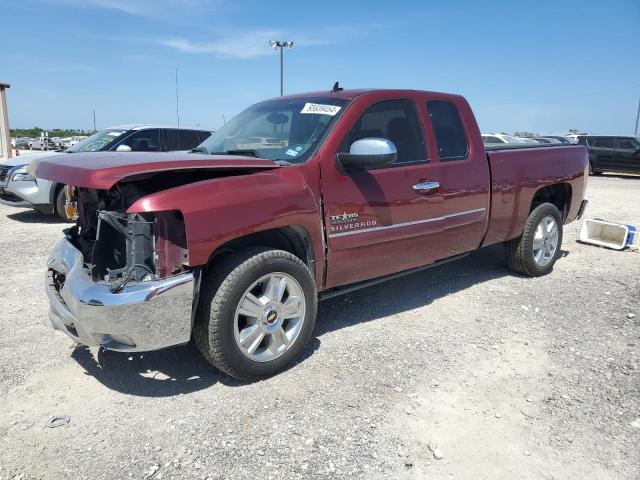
(102, 170)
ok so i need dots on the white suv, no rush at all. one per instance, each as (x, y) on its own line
(19, 188)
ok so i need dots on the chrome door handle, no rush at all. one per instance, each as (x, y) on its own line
(426, 187)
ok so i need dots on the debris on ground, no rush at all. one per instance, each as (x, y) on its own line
(58, 421)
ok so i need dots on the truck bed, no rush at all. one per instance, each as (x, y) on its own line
(518, 173)
(516, 146)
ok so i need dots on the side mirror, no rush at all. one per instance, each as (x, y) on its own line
(123, 148)
(369, 154)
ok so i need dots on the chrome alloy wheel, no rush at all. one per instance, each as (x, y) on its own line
(269, 317)
(545, 241)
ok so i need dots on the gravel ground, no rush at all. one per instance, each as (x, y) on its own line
(462, 371)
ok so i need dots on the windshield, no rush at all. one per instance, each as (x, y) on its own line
(97, 141)
(277, 130)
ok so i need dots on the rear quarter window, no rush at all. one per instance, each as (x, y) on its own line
(451, 137)
(627, 143)
(203, 135)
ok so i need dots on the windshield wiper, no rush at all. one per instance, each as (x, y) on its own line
(248, 152)
(199, 150)
(245, 152)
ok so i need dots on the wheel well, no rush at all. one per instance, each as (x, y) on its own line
(295, 240)
(558, 194)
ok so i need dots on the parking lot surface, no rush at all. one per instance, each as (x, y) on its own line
(499, 376)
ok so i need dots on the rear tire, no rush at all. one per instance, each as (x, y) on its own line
(592, 171)
(535, 252)
(224, 333)
(59, 207)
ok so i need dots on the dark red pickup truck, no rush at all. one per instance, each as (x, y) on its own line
(296, 199)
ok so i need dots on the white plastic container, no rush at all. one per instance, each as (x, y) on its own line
(607, 234)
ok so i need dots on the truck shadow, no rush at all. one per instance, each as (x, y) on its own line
(412, 291)
(183, 370)
(630, 176)
(163, 373)
(34, 216)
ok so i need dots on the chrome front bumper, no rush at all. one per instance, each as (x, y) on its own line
(141, 317)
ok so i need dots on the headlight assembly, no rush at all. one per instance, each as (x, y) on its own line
(22, 177)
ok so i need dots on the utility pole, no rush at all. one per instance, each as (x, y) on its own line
(637, 118)
(94, 121)
(177, 102)
(280, 45)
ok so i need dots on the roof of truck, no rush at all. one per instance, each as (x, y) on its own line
(350, 94)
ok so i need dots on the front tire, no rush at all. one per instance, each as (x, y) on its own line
(535, 252)
(256, 313)
(59, 207)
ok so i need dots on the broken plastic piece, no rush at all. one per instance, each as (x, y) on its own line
(58, 421)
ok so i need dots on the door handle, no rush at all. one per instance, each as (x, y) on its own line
(426, 187)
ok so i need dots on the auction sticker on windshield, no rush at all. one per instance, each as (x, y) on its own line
(320, 108)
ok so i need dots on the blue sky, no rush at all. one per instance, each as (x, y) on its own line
(543, 66)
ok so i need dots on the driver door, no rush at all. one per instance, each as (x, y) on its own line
(386, 220)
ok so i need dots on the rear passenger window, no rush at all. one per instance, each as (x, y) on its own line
(603, 142)
(144, 141)
(181, 139)
(450, 135)
(188, 139)
(396, 120)
(171, 139)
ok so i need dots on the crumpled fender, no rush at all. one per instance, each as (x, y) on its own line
(218, 210)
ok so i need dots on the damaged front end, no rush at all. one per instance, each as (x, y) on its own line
(122, 280)
(120, 247)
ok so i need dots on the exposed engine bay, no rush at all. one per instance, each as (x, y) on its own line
(119, 247)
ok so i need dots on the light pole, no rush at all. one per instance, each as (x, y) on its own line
(280, 45)
(637, 118)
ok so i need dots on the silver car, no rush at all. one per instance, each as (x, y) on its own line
(19, 188)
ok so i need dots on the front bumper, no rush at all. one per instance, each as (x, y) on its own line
(583, 206)
(141, 317)
(7, 197)
(29, 193)
(11, 199)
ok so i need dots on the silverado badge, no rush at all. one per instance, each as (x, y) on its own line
(349, 221)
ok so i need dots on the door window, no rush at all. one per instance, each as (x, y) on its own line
(144, 140)
(449, 130)
(603, 142)
(395, 120)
